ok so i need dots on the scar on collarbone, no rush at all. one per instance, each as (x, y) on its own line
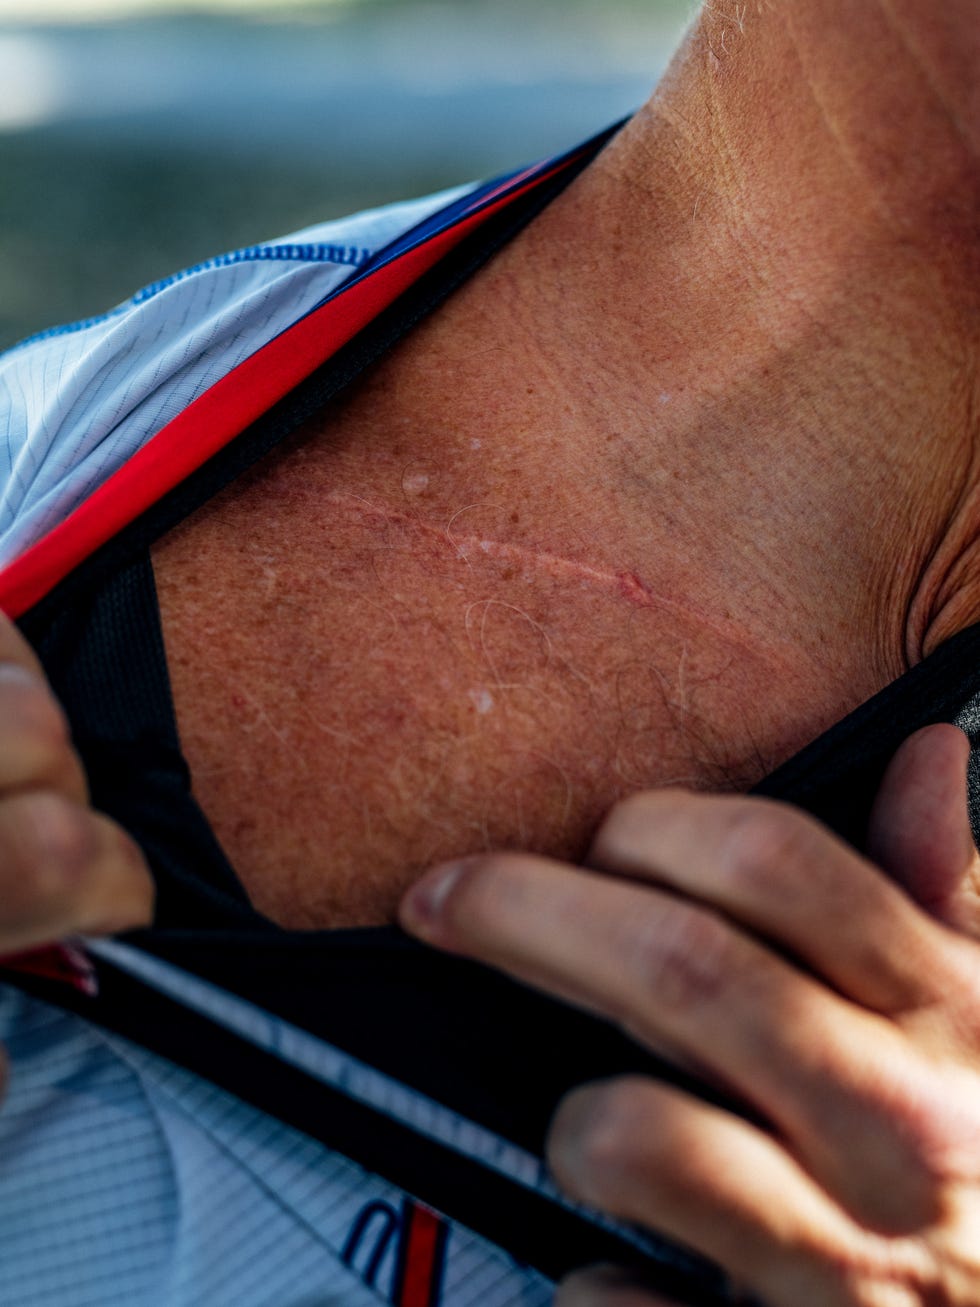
(524, 561)
(469, 545)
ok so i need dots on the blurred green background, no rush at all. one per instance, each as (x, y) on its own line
(141, 136)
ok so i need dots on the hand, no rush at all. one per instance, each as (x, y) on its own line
(64, 868)
(742, 939)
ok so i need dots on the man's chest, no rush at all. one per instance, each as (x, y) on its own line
(407, 639)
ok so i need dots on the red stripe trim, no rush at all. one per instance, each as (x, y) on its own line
(423, 1262)
(225, 410)
(67, 963)
(510, 183)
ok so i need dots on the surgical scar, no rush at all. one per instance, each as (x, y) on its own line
(624, 584)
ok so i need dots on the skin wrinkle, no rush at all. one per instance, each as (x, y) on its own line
(844, 152)
(928, 75)
(626, 585)
(732, 188)
(938, 583)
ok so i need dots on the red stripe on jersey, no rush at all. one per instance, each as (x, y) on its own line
(423, 1257)
(62, 962)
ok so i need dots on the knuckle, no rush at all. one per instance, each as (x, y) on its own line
(866, 1269)
(686, 958)
(32, 715)
(65, 867)
(55, 841)
(907, 1274)
(957, 970)
(65, 833)
(763, 840)
(933, 1121)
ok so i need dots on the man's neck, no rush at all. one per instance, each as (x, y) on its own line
(768, 293)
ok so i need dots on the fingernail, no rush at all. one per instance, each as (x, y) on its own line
(422, 905)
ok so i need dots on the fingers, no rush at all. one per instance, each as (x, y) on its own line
(65, 869)
(784, 877)
(920, 827)
(715, 940)
(37, 749)
(652, 1155)
(682, 980)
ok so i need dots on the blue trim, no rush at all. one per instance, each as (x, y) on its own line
(350, 256)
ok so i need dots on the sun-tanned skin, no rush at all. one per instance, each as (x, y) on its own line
(684, 475)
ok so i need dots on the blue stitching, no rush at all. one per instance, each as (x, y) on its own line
(349, 256)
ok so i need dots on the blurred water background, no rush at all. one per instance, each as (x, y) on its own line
(141, 136)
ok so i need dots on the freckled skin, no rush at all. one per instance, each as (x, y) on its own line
(333, 701)
(400, 698)
(326, 625)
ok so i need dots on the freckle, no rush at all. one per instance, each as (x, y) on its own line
(515, 516)
(238, 701)
(415, 483)
(507, 574)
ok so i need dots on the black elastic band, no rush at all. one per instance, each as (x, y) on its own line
(837, 776)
